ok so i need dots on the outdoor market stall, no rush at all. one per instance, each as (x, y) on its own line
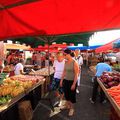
(20, 18)
(110, 84)
(17, 89)
(48, 74)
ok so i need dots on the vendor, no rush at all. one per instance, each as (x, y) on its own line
(100, 68)
(19, 67)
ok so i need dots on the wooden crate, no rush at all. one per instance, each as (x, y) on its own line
(114, 115)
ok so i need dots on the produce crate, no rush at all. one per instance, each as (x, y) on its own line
(114, 115)
(25, 110)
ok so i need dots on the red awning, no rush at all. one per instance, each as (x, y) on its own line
(107, 48)
(53, 47)
(9, 2)
(54, 17)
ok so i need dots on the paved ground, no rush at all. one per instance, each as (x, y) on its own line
(84, 109)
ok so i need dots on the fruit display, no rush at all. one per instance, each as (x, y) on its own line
(27, 78)
(110, 79)
(5, 99)
(114, 92)
(15, 85)
(43, 72)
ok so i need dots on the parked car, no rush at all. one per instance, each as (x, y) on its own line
(111, 57)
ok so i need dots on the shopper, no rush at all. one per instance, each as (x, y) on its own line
(9, 57)
(58, 66)
(100, 68)
(70, 75)
(34, 61)
(38, 58)
(19, 67)
(79, 60)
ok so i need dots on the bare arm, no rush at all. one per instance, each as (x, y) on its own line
(62, 78)
(63, 75)
(76, 70)
(21, 72)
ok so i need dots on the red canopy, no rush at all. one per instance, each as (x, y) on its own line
(55, 17)
(107, 48)
(52, 48)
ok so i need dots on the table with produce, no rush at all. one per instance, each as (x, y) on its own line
(43, 72)
(110, 84)
(116, 67)
(14, 89)
(47, 73)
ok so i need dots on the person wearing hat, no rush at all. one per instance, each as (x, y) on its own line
(70, 75)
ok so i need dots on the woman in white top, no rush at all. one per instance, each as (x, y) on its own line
(59, 68)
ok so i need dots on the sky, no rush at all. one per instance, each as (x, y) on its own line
(101, 38)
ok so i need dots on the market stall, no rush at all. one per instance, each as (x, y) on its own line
(48, 74)
(110, 84)
(16, 89)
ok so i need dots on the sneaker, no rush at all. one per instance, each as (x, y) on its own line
(60, 104)
(71, 112)
(91, 101)
(77, 91)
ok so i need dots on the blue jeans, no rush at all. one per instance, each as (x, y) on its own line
(56, 85)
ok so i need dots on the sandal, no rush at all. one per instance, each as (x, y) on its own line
(71, 112)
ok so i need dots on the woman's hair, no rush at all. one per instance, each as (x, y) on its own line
(67, 51)
(72, 54)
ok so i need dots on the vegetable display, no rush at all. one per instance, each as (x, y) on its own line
(110, 79)
(114, 92)
(13, 86)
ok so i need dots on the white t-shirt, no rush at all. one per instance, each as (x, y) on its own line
(17, 69)
(59, 68)
(79, 60)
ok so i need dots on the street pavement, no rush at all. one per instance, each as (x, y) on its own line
(84, 110)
